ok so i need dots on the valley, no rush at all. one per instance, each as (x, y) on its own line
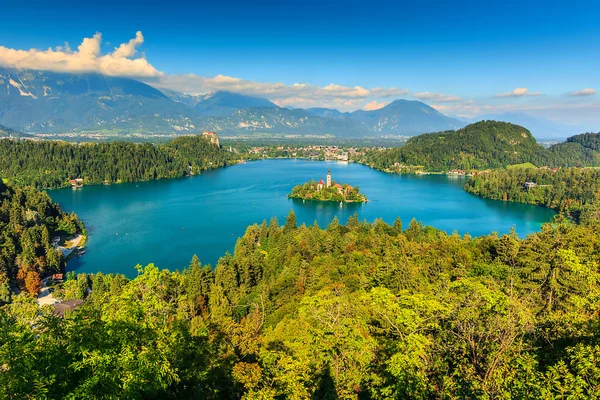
(100, 106)
(314, 200)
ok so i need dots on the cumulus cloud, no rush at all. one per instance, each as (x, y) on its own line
(373, 105)
(285, 95)
(440, 97)
(584, 92)
(389, 92)
(519, 92)
(87, 58)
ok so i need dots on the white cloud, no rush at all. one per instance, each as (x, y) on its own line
(470, 109)
(440, 97)
(390, 92)
(87, 58)
(519, 92)
(294, 95)
(584, 92)
(373, 105)
(125, 60)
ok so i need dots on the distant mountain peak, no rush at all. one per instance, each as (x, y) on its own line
(96, 103)
(224, 103)
(406, 117)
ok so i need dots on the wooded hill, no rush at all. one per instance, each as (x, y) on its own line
(28, 222)
(485, 145)
(573, 191)
(50, 164)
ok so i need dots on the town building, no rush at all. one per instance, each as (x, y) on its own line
(78, 182)
(60, 309)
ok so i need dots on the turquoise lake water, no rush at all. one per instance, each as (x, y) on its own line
(168, 221)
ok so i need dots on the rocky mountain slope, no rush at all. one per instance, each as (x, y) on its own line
(49, 102)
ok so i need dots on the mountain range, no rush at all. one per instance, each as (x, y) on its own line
(50, 102)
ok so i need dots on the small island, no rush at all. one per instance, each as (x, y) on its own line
(327, 191)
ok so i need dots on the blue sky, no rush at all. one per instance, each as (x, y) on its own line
(459, 56)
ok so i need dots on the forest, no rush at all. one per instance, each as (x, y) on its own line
(29, 220)
(483, 145)
(573, 192)
(480, 146)
(355, 311)
(51, 164)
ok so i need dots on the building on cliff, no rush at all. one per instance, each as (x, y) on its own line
(212, 137)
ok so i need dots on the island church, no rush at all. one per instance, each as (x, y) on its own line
(321, 184)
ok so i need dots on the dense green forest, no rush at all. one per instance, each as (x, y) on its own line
(578, 151)
(50, 164)
(483, 145)
(28, 222)
(573, 191)
(355, 311)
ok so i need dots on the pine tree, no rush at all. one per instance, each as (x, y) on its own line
(290, 222)
(398, 226)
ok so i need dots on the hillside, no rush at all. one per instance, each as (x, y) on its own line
(482, 145)
(38, 101)
(579, 151)
(224, 104)
(538, 126)
(570, 191)
(327, 112)
(284, 120)
(50, 102)
(28, 222)
(190, 100)
(355, 311)
(406, 117)
(6, 132)
(50, 164)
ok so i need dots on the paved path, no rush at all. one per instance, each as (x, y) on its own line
(74, 242)
(45, 297)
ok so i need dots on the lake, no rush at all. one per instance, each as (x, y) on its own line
(166, 222)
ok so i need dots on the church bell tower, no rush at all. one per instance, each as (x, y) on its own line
(328, 178)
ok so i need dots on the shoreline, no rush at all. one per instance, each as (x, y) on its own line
(327, 201)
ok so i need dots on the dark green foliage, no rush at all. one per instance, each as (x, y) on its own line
(572, 191)
(28, 222)
(290, 222)
(483, 145)
(578, 151)
(50, 164)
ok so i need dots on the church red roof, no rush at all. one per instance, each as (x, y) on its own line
(321, 182)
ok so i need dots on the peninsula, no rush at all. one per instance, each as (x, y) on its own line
(327, 191)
